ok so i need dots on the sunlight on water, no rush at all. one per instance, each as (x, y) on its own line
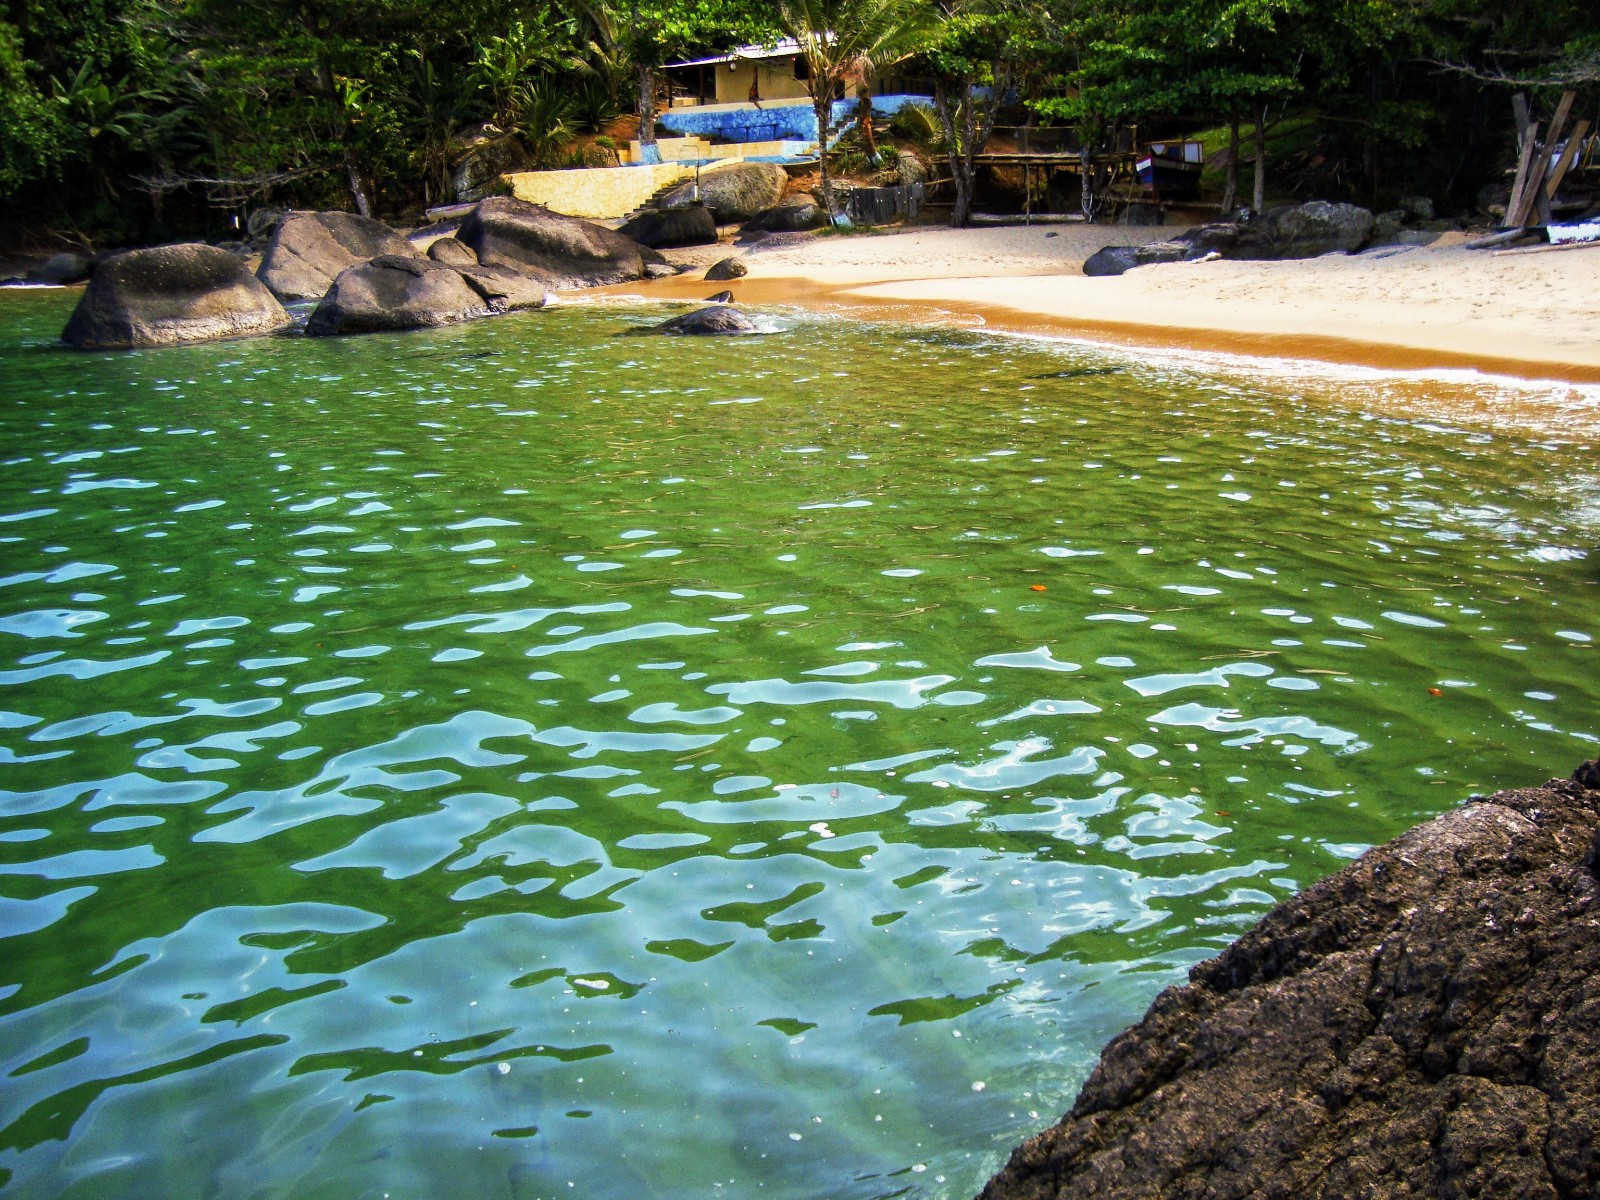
(519, 760)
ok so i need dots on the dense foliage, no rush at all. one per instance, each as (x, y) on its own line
(130, 119)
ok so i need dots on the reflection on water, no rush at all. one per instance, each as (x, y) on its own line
(518, 760)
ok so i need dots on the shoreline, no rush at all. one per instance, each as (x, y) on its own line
(1416, 308)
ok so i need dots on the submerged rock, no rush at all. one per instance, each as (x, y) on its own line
(1426, 1022)
(717, 320)
(723, 297)
(563, 252)
(170, 294)
(309, 249)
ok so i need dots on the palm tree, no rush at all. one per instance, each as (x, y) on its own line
(840, 40)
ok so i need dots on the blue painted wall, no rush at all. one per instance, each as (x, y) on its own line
(772, 123)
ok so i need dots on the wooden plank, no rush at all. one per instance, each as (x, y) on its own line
(1564, 163)
(1504, 238)
(1519, 187)
(1595, 245)
(1558, 123)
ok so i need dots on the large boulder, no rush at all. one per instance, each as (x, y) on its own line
(1424, 1023)
(480, 156)
(171, 294)
(734, 193)
(716, 320)
(308, 249)
(795, 217)
(396, 291)
(690, 225)
(1293, 231)
(563, 252)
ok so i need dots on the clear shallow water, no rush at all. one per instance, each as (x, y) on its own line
(519, 760)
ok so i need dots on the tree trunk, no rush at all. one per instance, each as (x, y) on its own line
(869, 140)
(1086, 173)
(960, 176)
(1230, 187)
(1259, 198)
(822, 107)
(341, 131)
(647, 115)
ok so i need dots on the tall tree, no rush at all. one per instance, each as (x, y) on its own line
(972, 56)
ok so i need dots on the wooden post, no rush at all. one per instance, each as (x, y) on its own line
(1564, 163)
(1519, 188)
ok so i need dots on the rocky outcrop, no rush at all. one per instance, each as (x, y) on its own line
(734, 193)
(787, 218)
(563, 252)
(1293, 231)
(171, 294)
(717, 320)
(689, 225)
(727, 269)
(1424, 1023)
(1305, 231)
(396, 292)
(308, 249)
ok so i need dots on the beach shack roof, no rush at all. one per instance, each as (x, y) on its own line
(787, 48)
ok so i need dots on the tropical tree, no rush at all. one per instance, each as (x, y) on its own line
(973, 56)
(839, 40)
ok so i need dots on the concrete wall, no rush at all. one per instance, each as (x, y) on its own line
(775, 77)
(786, 120)
(595, 192)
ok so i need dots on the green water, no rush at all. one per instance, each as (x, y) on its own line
(519, 760)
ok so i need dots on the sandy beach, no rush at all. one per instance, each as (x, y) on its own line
(1441, 305)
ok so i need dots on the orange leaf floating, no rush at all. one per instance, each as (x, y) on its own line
(1435, 691)
(1036, 587)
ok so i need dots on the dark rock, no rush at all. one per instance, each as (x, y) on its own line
(452, 252)
(1424, 1023)
(1111, 260)
(171, 294)
(720, 298)
(308, 249)
(1386, 226)
(787, 218)
(727, 269)
(1164, 252)
(717, 320)
(262, 221)
(690, 225)
(561, 251)
(734, 193)
(396, 291)
(61, 269)
(1418, 208)
(480, 156)
(1142, 214)
(1305, 231)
